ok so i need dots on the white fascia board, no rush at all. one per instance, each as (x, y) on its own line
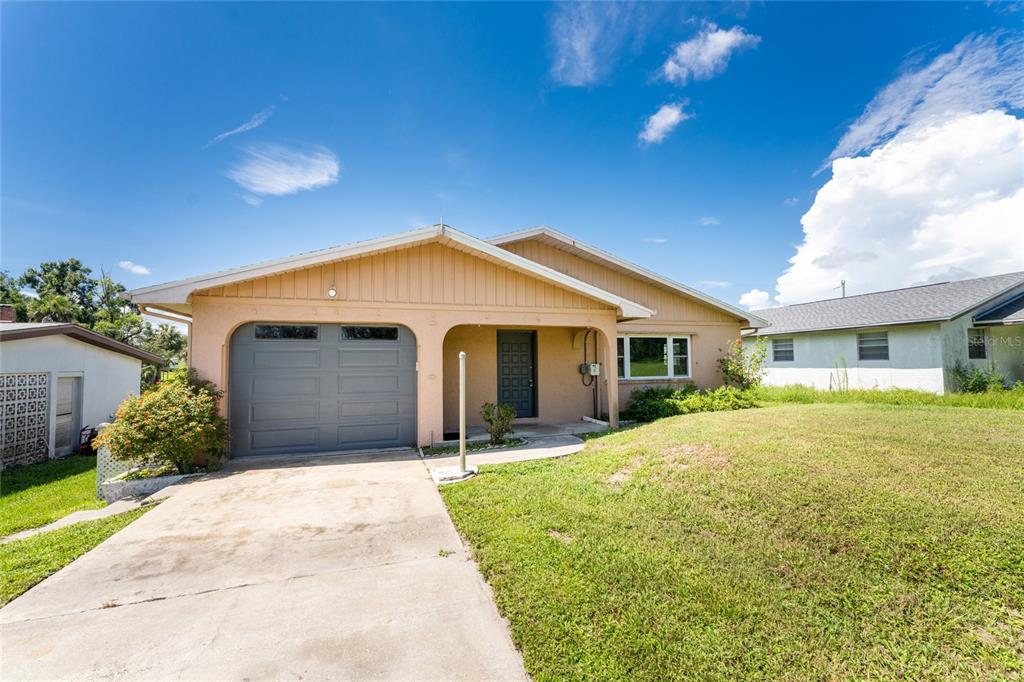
(753, 320)
(180, 290)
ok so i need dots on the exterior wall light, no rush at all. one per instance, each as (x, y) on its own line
(332, 292)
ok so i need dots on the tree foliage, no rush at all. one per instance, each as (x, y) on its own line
(67, 291)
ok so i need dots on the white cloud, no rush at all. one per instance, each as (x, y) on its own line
(938, 201)
(588, 36)
(713, 284)
(255, 122)
(655, 240)
(706, 54)
(709, 220)
(251, 200)
(662, 122)
(278, 170)
(791, 201)
(754, 299)
(981, 73)
(133, 268)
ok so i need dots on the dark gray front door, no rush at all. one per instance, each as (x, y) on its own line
(299, 388)
(517, 371)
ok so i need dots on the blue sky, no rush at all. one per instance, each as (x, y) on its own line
(496, 117)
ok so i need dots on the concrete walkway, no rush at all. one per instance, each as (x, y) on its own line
(327, 568)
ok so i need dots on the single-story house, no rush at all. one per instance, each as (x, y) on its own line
(357, 346)
(905, 338)
(58, 378)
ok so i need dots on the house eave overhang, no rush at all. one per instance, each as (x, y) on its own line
(750, 321)
(176, 296)
(84, 335)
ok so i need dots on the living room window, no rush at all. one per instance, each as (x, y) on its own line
(641, 356)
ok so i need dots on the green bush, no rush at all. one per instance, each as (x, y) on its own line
(176, 422)
(976, 379)
(743, 366)
(499, 421)
(649, 404)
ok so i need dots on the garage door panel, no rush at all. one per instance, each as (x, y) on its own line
(290, 395)
(280, 440)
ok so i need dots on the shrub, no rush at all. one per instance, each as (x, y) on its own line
(649, 404)
(499, 421)
(976, 379)
(743, 366)
(176, 422)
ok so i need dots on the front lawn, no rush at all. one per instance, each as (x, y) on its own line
(38, 494)
(23, 563)
(1009, 399)
(802, 541)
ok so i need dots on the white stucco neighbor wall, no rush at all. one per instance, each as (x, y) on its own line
(1005, 348)
(823, 359)
(107, 377)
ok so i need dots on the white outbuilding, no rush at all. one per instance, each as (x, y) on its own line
(56, 379)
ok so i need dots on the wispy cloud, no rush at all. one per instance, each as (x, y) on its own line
(709, 220)
(655, 240)
(587, 38)
(791, 201)
(982, 72)
(706, 54)
(251, 199)
(713, 284)
(255, 122)
(278, 170)
(134, 268)
(662, 122)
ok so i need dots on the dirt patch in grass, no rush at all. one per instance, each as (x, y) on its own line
(623, 475)
(682, 457)
(564, 538)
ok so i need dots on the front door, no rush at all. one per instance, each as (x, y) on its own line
(517, 371)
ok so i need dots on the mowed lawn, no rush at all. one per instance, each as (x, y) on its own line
(37, 494)
(800, 541)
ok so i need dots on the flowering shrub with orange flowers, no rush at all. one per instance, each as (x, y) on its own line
(176, 423)
(743, 366)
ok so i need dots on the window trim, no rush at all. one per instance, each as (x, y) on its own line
(792, 349)
(860, 357)
(670, 359)
(982, 333)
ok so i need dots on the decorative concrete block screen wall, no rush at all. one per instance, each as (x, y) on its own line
(25, 406)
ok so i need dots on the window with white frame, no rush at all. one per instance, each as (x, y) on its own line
(642, 356)
(782, 350)
(977, 346)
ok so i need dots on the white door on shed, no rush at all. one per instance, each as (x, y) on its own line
(69, 414)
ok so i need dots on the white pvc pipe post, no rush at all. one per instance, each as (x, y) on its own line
(462, 412)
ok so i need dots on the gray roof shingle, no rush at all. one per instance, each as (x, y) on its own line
(929, 302)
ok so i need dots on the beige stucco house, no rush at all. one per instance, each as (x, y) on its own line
(357, 346)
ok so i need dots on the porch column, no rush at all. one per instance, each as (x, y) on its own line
(611, 374)
(430, 383)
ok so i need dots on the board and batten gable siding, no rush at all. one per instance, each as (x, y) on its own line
(429, 274)
(668, 305)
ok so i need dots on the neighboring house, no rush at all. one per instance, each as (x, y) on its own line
(905, 338)
(58, 378)
(357, 346)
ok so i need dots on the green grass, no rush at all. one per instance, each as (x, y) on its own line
(24, 563)
(37, 494)
(1000, 400)
(471, 446)
(800, 541)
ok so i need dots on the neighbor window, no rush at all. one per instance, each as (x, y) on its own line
(782, 350)
(873, 346)
(369, 333)
(977, 348)
(304, 332)
(653, 357)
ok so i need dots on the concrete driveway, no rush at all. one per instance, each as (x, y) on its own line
(330, 568)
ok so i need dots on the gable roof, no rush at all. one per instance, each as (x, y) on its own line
(176, 295)
(563, 241)
(12, 331)
(926, 303)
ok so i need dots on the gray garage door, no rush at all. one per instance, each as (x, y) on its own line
(299, 388)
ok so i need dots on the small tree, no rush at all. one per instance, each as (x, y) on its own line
(743, 366)
(499, 421)
(176, 422)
